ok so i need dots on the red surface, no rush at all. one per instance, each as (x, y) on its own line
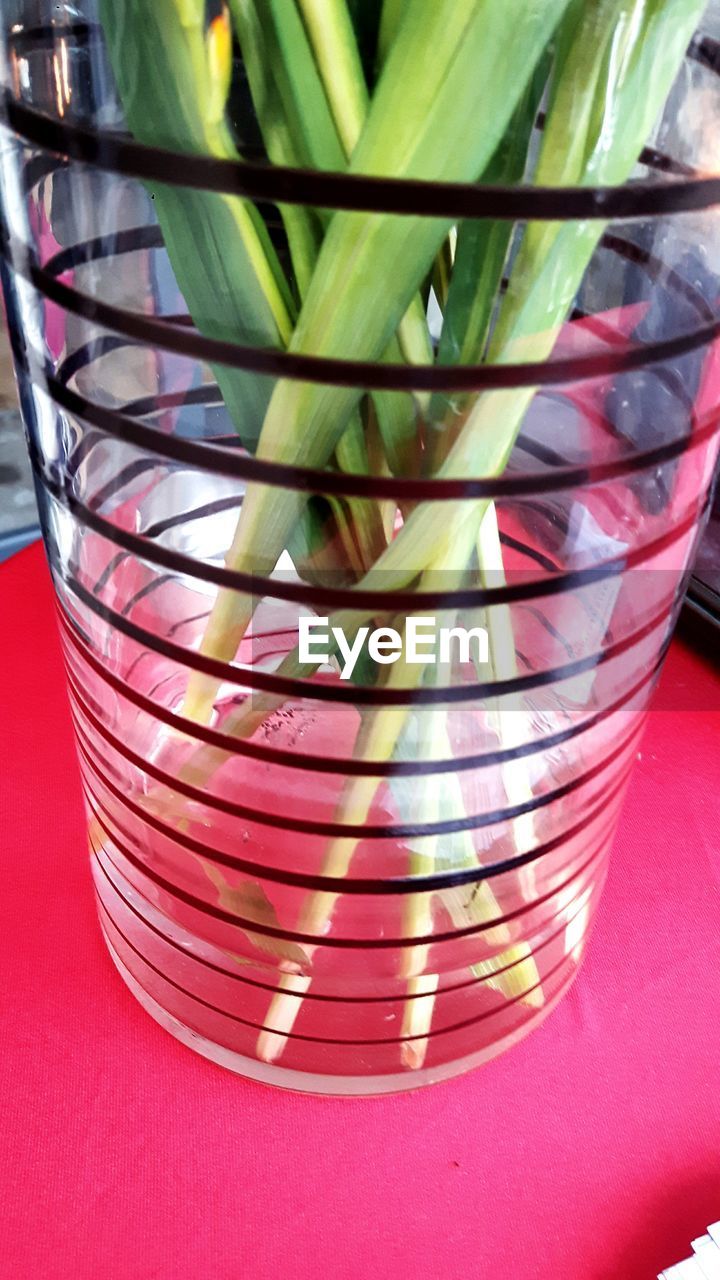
(592, 1150)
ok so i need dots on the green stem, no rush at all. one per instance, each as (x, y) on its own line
(421, 986)
(393, 12)
(333, 40)
(511, 721)
(262, 68)
(380, 731)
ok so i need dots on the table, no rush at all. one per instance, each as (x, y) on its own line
(590, 1152)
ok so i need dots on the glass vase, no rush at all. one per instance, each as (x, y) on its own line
(338, 875)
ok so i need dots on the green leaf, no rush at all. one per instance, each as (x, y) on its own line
(218, 245)
(307, 112)
(249, 901)
(338, 58)
(214, 276)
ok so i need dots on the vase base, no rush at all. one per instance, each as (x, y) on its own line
(316, 1083)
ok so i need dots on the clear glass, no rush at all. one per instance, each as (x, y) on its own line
(281, 890)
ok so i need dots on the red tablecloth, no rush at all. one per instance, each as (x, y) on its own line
(592, 1150)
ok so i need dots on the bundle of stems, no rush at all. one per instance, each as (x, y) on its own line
(432, 89)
